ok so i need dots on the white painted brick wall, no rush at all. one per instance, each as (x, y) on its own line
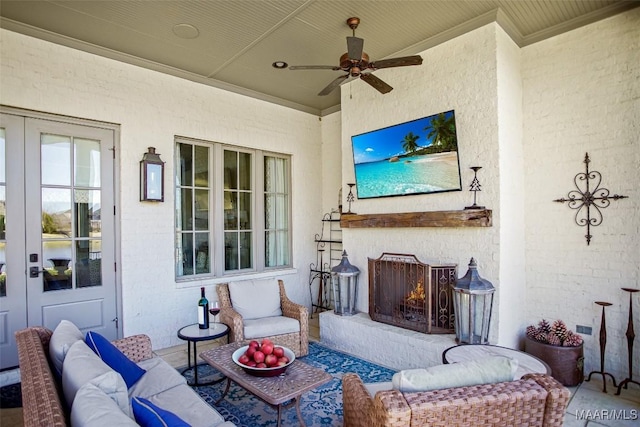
(582, 94)
(457, 75)
(151, 108)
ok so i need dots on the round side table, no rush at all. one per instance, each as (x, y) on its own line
(527, 363)
(192, 334)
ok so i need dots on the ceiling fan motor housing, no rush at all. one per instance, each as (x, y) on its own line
(347, 63)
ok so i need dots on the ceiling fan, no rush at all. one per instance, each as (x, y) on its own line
(355, 62)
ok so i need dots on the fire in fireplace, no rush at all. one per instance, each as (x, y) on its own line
(407, 293)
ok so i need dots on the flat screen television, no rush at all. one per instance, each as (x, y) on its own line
(416, 157)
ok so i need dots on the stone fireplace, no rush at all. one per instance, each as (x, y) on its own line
(409, 294)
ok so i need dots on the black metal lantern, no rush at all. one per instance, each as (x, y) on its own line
(151, 177)
(344, 280)
(473, 301)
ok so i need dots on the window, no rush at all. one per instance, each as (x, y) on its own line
(232, 210)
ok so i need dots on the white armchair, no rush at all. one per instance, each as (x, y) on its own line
(257, 309)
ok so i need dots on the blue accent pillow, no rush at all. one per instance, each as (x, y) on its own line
(149, 415)
(113, 357)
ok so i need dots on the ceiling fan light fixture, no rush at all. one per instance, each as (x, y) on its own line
(280, 65)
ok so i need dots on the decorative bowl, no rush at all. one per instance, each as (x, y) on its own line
(263, 372)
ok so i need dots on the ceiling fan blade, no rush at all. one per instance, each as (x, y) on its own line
(376, 83)
(396, 62)
(331, 86)
(314, 67)
(355, 47)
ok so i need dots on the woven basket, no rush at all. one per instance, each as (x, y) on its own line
(566, 363)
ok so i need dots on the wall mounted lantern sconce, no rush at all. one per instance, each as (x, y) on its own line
(151, 177)
(588, 201)
(475, 187)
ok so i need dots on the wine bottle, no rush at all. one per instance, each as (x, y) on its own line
(203, 311)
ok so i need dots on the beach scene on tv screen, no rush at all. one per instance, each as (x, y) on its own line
(416, 157)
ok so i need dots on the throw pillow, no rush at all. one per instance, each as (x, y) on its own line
(487, 370)
(149, 415)
(64, 335)
(114, 358)
(255, 299)
(93, 408)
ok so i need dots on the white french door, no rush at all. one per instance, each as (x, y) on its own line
(57, 228)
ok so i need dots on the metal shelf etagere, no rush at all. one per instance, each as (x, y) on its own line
(328, 255)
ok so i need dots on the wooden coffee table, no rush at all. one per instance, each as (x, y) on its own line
(281, 391)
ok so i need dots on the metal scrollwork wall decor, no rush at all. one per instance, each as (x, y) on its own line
(588, 199)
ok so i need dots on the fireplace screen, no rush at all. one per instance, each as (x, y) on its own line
(409, 294)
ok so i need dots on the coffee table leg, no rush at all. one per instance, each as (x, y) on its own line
(279, 415)
(300, 419)
(224, 393)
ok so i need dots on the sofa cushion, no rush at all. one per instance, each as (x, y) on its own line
(159, 376)
(270, 326)
(81, 366)
(188, 405)
(486, 370)
(255, 299)
(149, 415)
(93, 408)
(64, 335)
(114, 358)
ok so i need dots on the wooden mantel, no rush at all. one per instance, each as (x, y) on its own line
(463, 218)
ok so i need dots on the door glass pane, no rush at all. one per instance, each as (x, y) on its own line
(88, 263)
(86, 163)
(3, 271)
(55, 159)
(87, 213)
(57, 271)
(56, 213)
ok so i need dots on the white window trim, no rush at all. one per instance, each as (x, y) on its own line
(216, 233)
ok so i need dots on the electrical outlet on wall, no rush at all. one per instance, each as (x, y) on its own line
(585, 330)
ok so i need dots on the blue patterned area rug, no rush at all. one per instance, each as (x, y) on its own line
(320, 407)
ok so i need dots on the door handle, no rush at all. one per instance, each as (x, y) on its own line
(35, 271)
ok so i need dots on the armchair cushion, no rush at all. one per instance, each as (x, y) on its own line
(268, 326)
(255, 299)
(487, 370)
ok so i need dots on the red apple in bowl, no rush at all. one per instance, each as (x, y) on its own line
(278, 352)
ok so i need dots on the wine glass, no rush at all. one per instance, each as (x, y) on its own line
(214, 309)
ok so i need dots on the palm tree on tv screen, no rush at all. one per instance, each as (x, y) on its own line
(409, 143)
(442, 131)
